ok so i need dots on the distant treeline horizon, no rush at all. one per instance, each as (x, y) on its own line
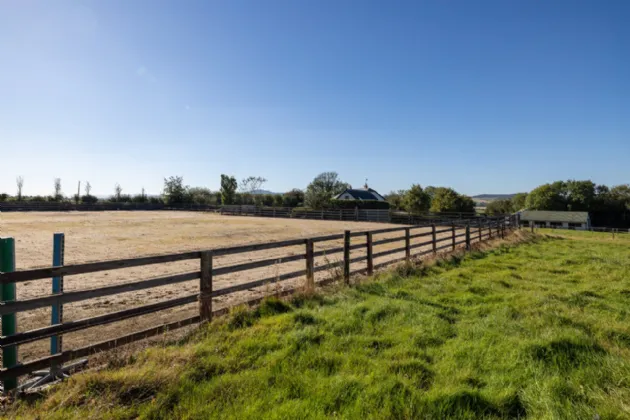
(608, 206)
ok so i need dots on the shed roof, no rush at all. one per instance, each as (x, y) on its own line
(555, 216)
(360, 194)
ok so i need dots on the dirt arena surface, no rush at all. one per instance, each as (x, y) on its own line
(100, 236)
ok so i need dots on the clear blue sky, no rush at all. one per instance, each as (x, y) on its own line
(484, 96)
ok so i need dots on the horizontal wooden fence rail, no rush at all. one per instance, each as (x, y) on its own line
(78, 296)
(439, 237)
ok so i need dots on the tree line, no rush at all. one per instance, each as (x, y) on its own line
(607, 206)
(317, 195)
(433, 199)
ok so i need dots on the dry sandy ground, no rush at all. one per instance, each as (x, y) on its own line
(99, 236)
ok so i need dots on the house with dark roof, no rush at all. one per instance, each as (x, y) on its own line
(364, 194)
(556, 219)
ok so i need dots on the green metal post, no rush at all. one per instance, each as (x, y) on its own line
(9, 321)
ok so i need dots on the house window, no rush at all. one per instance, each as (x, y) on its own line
(525, 223)
(555, 225)
(575, 225)
(540, 224)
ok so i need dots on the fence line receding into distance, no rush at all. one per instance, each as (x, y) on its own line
(475, 230)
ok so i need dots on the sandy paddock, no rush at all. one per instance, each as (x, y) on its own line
(99, 236)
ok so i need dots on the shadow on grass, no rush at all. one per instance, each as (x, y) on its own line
(566, 354)
(467, 404)
(620, 338)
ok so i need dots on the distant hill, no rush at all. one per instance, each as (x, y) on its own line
(264, 192)
(482, 200)
(492, 197)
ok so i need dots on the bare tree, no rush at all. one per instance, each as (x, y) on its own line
(58, 193)
(20, 183)
(117, 191)
(252, 184)
(77, 196)
(88, 188)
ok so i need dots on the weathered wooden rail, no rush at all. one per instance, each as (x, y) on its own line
(477, 230)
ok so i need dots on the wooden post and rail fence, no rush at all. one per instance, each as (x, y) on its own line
(11, 338)
(356, 214)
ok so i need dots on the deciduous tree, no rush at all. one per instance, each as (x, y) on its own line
(20, 183)
(322, 189)
(252, 184)
(518, 202)
(415, 200)
(448, 200)
(200, 195)
(58, 194)
(395, 199)
(175, 192)
(547, 197)
(580, 195)
(497, 207)
(293, 198)
(228, 189)
(118, 193)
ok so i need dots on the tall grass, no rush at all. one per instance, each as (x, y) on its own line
(532, 331)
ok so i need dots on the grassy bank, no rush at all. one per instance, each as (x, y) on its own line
(538, 330)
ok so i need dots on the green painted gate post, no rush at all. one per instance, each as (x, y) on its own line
(9, 321)
(56, 343)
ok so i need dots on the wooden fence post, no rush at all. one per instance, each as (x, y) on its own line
(205, 287)
(9, 321)
(453, 235)
(56, 341)
(468, 237)
(346, 257)
(489, 229)
(407, 244)
(532, 225)
(370, 260)
(310, 278)
(480, 230)
(434, 238)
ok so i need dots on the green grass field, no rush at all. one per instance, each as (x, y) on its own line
(534, 330)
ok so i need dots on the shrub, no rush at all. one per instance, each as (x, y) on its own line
(352, 204)
(89, 199)
(268, 200)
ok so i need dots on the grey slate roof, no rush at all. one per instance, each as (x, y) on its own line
(361, 194)
(555, 216)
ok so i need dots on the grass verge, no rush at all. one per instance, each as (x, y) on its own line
(536, 330)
